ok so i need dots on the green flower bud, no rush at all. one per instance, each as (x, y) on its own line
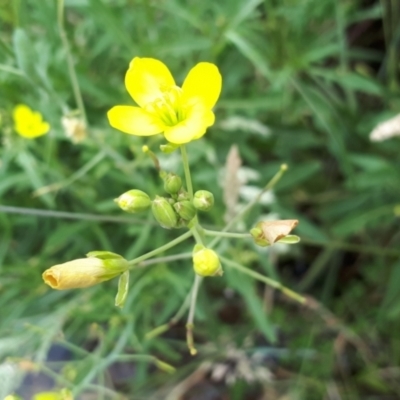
(100, 266)
(134, 201)
(169, 148)
(258, 237)
(206, 262)
(164, 213)
(172, 183)
(203, 200)
(183, 195)
(185, 209)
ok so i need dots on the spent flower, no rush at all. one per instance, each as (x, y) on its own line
(98, 267)
(182, 114)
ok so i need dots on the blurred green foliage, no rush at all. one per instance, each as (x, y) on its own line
(304, 83)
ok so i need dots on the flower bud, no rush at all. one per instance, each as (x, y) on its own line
(85, 272)
(203, 200)
(169, 148)
(206, 262)
(185, 209)
(164, 213)
(258, 237)
(172, 183)
(183, 195)
(134, 201)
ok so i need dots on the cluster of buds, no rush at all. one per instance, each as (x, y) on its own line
(173, 211)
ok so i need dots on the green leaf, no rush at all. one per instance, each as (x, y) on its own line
(24, 52)
(123, 289)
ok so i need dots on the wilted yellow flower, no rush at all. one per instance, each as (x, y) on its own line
(206, 262)
(182, 113)
(85, 272)
(29, 123)
(74, 128)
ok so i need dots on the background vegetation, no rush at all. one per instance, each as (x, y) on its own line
(305, 82)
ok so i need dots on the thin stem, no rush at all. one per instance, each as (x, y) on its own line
(227, 234)
(190, 322)
(186, 168)
(174, 320)
(250, 205)
(275, 284)
(161, 249)
(70, 62)
(165, 259)
(70, 215)
(144, 357)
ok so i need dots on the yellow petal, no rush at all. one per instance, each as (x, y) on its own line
(203, 81)
(209, 120)
(21, 112)
(146, 79)
(193, 127)
(134, 120)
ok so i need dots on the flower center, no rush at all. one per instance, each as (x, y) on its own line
(168, 106)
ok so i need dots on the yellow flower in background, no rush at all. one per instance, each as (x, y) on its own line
(29, 123)
(182, 113)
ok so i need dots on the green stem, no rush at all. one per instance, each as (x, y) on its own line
(227, 234)
(190, 322)
(174, 320)
(270, 282)
(161, 249)
(144, 357)
(186, 168)
(166, 259)
(250, 205)
(70, 62)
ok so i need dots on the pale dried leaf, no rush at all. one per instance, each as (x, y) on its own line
(232, 182)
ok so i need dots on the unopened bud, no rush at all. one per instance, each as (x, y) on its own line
(164, 213)
(169, 148)
(100, 266)
(185, 209)
(172, 183)
(258, 237)
(206, 262)
(203, 200)
(183, 195)
(134, 201)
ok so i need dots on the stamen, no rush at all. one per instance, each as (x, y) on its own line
(168, 107)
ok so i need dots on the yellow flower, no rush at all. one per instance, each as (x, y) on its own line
(182, 113)
(29, 123)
